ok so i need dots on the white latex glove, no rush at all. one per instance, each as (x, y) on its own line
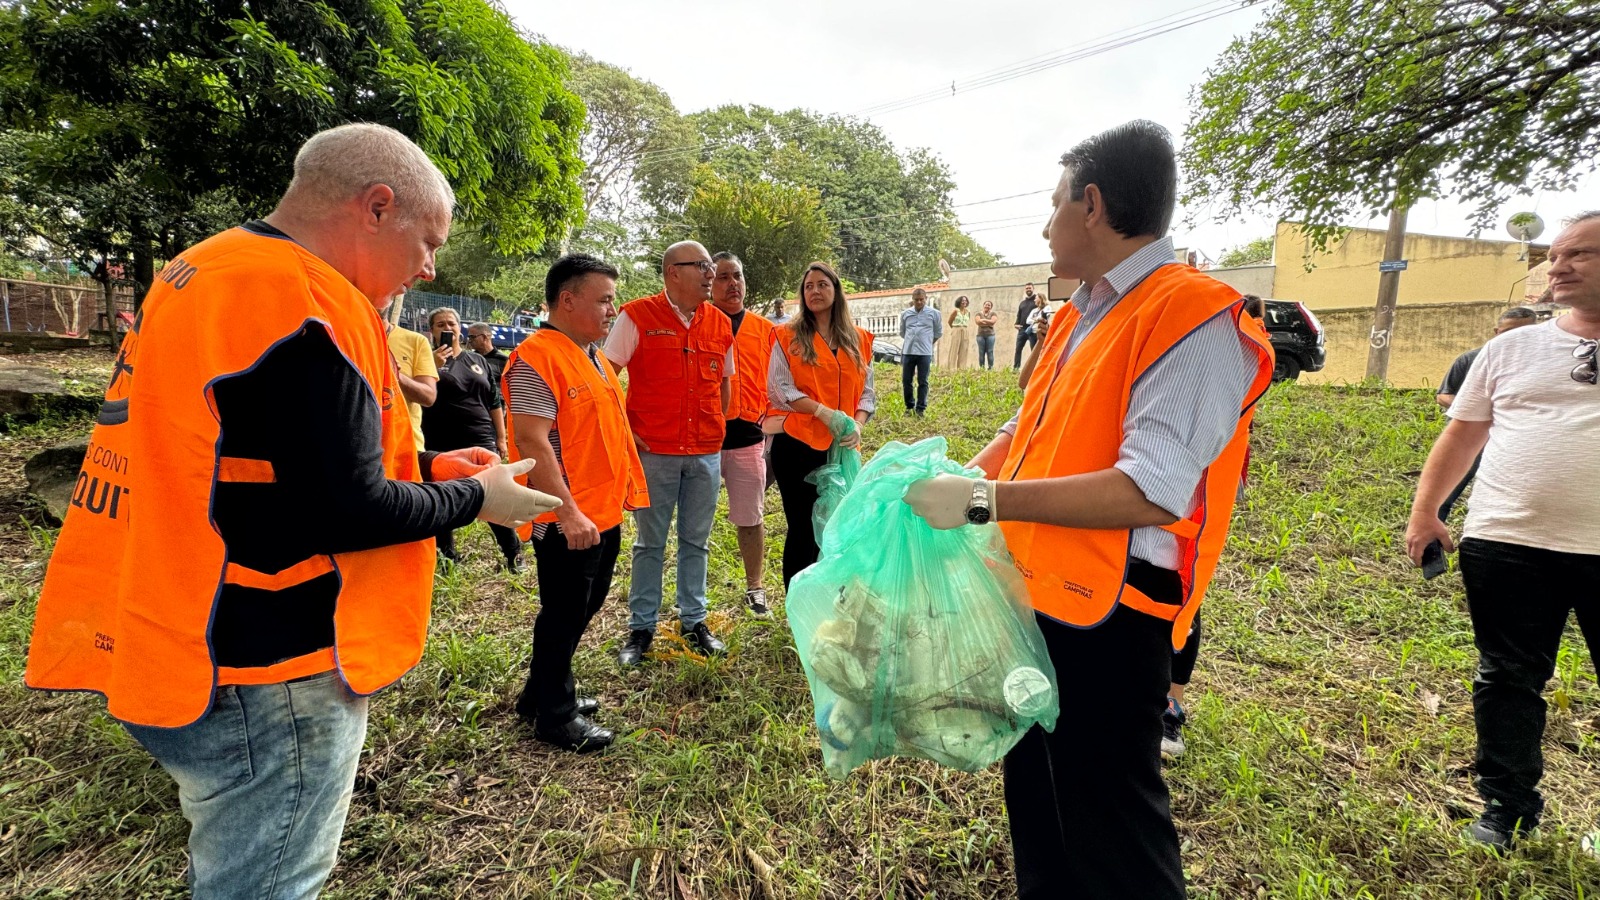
(943, 499)
(507, 501)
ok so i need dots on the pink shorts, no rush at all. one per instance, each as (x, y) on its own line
(744, 471)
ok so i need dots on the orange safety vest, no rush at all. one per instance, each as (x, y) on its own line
(675, 377)
(139, 566)
(598, 455)
(1072, 423)
(835, 382)
(752, 352)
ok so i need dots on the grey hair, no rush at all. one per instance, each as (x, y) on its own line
(483, 327)
(727, 256)
(1585, 216)
(338, 164)
(433, 313)
(1522, 312)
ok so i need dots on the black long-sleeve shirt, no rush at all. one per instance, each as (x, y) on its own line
(308, 411)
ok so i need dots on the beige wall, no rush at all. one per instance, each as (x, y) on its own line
(1441, 270)
(1258, 280)
(1427, 339)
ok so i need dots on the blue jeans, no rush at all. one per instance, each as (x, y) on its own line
(690, 484)
(265, 779)
(985, 351)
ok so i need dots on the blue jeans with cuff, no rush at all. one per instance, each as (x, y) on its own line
(265, 780)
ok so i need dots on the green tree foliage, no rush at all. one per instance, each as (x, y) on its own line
(1253, 253)
(962, 251)
(147, 124)
(1332, 109)
(889, 207)
(776, 229)
(629, 121)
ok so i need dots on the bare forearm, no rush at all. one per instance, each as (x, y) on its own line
(1444, 400)
(1448, 462)
(1104, 499)
(546, 475)
(727, 395)
(992, 457)
(499, 418)
(421, 391)
(1027, 366)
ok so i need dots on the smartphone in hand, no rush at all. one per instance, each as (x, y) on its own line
(447, 338)
(1433, 563)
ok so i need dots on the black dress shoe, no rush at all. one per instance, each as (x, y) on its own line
(700, 638)
(587, 706)
(637, 646)
(578, 735)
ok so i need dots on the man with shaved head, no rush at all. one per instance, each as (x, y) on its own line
(677, 350)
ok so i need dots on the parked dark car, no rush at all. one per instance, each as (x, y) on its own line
(1297, 339)
(884, 350)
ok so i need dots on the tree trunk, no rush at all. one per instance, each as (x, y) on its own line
(1382, 335)
(144, 264)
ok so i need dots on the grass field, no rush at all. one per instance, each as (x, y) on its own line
(1330, 748)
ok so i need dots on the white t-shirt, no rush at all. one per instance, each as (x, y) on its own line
(1539, 482)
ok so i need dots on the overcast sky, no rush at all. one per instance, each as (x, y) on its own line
(839, 56)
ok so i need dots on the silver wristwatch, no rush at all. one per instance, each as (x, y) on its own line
(978, 512)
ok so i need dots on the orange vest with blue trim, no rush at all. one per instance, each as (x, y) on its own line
(752, 352)
(835, 380)
(1071, 423)
(675, 377)
(134, 579)
(598, 456)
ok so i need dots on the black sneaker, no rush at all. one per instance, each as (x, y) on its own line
(637, 646)
(699, 637)
(1172, 722)
(756, 598)
(1499, 829)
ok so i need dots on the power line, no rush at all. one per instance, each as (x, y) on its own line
(1114, 40)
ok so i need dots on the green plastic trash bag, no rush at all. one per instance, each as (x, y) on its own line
(834, 477)
(917, 642)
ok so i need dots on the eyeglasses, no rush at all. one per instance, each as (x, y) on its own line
(1585, 372)
(705, 266)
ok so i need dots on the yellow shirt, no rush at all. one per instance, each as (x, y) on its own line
(414, 357)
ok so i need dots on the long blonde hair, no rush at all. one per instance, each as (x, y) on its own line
(841, 327)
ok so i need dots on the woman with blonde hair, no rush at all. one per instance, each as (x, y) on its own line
(818, 381)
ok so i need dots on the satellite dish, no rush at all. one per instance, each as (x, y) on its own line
(1525, 226)
(944, 269)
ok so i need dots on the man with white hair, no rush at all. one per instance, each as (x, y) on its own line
(279, 569)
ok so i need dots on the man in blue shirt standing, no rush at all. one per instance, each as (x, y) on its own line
(920, 329)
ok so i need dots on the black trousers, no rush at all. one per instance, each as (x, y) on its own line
(1025, 338)
(792, 461)
(1519, 598)
(918, 364)
(1090, 815)
(1183, 661)
(572, 586)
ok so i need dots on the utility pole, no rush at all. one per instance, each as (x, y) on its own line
(1388, 294)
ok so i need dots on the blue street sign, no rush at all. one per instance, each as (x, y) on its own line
(1392, 265)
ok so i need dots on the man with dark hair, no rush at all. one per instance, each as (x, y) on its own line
(744, 465)
(920, 331)
(1530, 548)
(1025, 336)
(1515, 317)
(560, 387)
(1153, 370)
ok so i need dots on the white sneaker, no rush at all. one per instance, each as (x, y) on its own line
(757, 599)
